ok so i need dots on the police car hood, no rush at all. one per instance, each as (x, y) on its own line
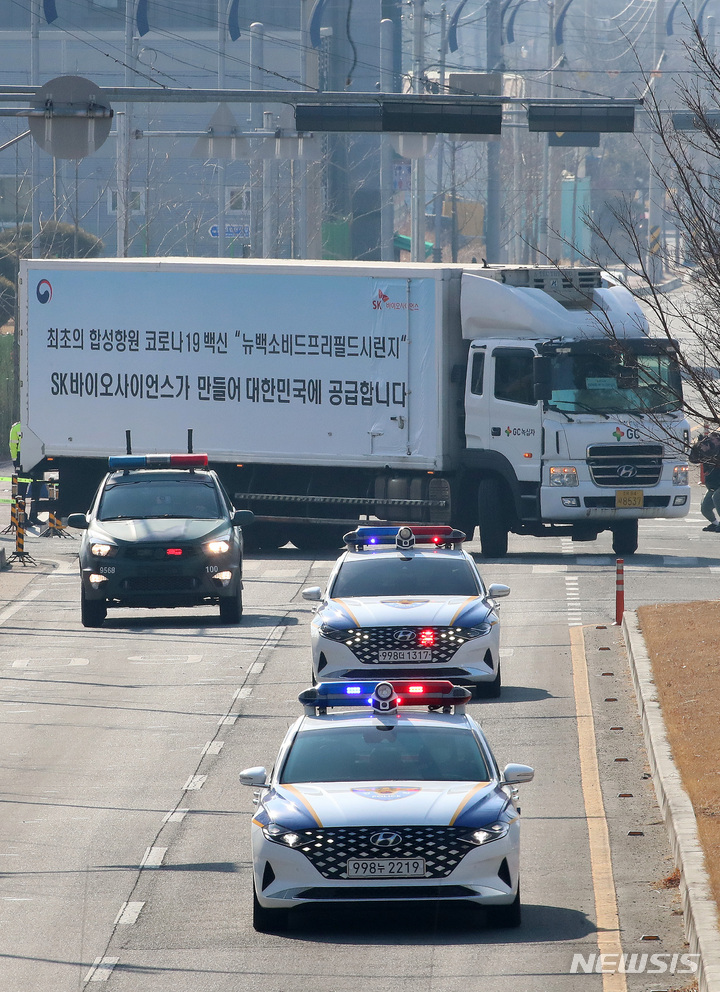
(336, 804)
(399, 611)
(159, 529)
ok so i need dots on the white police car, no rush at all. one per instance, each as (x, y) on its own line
(161, 532)
(384, 804)
(407, 603)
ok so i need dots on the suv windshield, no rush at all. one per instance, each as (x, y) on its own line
(414, 575)
(406, 752)
(147, 498)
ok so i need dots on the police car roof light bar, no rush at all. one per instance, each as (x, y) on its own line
(438, 535)
(125, 462)
(384, 696)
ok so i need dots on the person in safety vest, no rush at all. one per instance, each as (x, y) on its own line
(15, 436)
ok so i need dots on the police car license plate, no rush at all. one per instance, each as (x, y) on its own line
(386, 868)
(628, 499)
(416, 654)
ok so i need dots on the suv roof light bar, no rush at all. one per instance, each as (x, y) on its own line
(125, 462)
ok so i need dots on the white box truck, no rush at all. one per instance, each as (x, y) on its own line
(328, 391)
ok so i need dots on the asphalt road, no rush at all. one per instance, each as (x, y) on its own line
(124, 834)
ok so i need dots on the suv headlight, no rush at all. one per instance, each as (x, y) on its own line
(479, 630)
(100, 549)
(563, 475)
(680, 475)
(484, 835)
(218, 547)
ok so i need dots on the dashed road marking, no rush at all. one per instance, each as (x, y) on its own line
(243, 692)
(129, 912)
(194, 783)
(213, 747)
(14, 608)
(256, 668)
(101, 969)
(153, 857)
(227, 721)
(175, 816)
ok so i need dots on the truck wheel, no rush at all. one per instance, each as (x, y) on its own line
(231, 607)
(625, 537)
(492, 519)
(92, 611)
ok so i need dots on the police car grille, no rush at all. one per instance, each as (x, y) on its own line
(160, 583)
(625, 465)
(366, 642)
(329, 848)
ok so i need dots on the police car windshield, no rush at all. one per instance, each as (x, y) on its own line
(150, 498)
(404, 753)
(414, 575)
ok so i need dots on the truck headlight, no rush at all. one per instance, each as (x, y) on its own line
(680, 475)
(563, 475)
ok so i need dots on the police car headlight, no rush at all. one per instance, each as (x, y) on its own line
(336, 633)
(281, 835)
(479, 630)
(217, 547)
(483, 835)
(103, 550)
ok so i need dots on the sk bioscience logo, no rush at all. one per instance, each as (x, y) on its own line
(43, 291)
(383, 302)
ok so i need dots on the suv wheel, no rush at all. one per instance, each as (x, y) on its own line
(231, 607)
(92, 611)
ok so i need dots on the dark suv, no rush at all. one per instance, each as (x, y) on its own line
(161, 532)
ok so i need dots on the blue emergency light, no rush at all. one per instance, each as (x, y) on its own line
(385, 696)
(404, 537)
(124, 462)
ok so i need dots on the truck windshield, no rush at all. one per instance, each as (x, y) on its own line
(602, 381)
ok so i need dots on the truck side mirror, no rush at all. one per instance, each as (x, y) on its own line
(542, 378)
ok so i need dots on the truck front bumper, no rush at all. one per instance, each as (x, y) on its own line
(591, 503)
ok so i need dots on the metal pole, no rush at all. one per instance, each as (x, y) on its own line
(494, 191)
(269, 228)
(655, 245)
(221, 11)
(256, 123)
(544, 205)
(417, 176)
(387, 218)
(34, 79)
(123, 143)
(440, 143)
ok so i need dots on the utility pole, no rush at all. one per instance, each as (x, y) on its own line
(655, 245)
(256, 123)
(34, 80)
(122, 128)
(221, 10)
(417, 176)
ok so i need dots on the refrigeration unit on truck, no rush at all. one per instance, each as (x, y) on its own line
(518, 399)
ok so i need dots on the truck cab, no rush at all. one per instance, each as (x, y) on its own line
(578, 429)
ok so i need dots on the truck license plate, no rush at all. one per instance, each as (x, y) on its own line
(415, 654)
(626, 499)
(386, 868)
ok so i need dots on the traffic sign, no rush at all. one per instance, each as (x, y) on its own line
(71, 117)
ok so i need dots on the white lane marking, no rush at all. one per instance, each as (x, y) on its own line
(670, 560)
(548, 569)
(129, 912)
(175, 816)
(256, 668)
(10, 611)
(594, 560)
(194, 783)
(213, 747)
(227, 721)
(182, 659)
(243, 693)
(153, 857)
(507, 652)
(101, 969)
(79, 661)
(20, 663)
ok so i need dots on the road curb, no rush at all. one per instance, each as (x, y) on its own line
(699, 907)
